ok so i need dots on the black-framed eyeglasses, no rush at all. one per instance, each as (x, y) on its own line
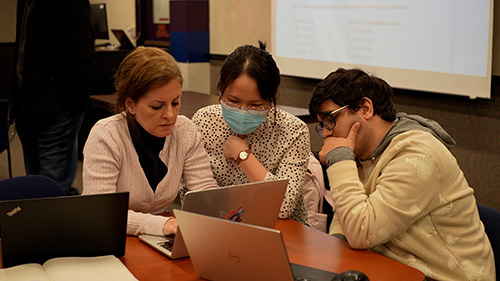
(328, 121)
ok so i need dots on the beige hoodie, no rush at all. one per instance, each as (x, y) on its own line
(412, 203)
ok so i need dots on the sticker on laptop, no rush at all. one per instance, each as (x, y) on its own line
(235, 215)
(14, 211)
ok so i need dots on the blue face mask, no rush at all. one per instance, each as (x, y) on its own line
(242, 121)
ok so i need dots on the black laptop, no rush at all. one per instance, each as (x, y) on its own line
(36, 230)
(125, 43)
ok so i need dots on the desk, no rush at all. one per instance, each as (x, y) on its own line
(304, 245)
(191, 102)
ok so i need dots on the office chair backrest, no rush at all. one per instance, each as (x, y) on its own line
(26, 187)
(491, 222)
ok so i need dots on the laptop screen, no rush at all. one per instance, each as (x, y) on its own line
(255, 203)
(35, 230)
(125, 43)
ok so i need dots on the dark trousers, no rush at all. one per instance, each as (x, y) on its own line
(52, 150)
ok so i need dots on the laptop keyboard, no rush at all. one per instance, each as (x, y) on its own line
(167, 245)
(306, 273)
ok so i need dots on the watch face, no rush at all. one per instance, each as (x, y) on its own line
(243, 155)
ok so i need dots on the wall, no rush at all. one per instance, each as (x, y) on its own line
(7, 21)
(234, 23)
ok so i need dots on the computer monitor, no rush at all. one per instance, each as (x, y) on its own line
(99, 20)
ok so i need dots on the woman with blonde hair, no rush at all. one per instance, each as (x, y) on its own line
(146, 148)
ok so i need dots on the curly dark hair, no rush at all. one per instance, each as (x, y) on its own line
(349, 87)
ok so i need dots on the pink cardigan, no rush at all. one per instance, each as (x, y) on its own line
(111, 164)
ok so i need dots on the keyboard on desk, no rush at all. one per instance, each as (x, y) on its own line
(306, 273)
(168, 245)
(163, 244)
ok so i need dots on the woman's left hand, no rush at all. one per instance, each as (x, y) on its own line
(233, 146)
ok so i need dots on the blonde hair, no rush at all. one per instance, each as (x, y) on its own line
(144, 69)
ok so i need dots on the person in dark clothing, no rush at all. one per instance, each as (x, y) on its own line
(53, 65)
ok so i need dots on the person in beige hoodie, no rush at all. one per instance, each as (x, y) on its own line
(396, 187)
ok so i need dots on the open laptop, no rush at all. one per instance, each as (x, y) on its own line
(122, 37)
(253, 203)
(36, 230)
(224, 250)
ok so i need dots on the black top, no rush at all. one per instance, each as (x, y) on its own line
(148, 149)
(53, 60)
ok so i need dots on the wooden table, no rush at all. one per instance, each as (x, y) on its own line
(191, 102)
(304, 245)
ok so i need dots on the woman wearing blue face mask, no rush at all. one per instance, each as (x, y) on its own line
(247, 138)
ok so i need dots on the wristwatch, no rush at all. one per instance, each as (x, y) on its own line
(243, 155)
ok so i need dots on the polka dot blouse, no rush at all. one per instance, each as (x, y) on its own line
(281, 144)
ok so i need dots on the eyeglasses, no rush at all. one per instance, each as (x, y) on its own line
(328, 121)
(235, 105)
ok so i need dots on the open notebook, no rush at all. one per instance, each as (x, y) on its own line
(36, 230)
(224, 250)
(108, 268)
(253, 203)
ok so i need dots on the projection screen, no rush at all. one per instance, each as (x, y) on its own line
(442, 46)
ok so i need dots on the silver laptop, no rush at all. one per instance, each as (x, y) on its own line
(36, 230)
(252, 203)
(224, 250)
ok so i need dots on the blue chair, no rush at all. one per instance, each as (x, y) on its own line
(27, 187)
(491, 222)
(4, 131)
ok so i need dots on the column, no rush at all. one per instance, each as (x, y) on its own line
(189, 42)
